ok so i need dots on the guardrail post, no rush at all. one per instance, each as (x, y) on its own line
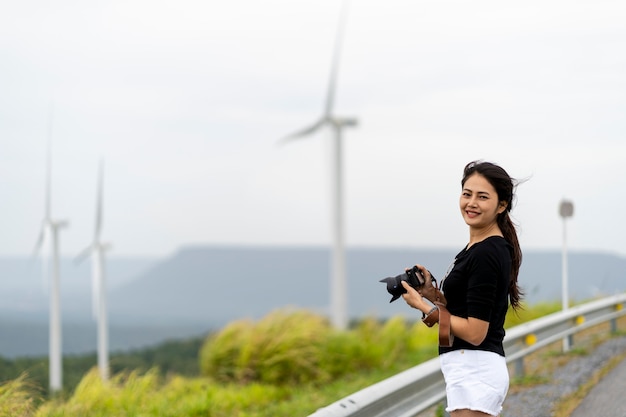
(618, 307)
(519, 367)
(529, 340)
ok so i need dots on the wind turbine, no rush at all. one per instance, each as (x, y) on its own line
(338, 282)
(50, 233)
(97, 250)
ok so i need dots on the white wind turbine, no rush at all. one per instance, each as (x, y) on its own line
(49, 234)
(338, 284)
(97, 250)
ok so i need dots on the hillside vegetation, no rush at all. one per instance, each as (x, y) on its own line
(289, 363)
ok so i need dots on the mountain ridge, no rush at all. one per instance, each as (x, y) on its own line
(203, 287)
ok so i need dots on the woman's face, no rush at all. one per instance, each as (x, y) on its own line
(479, 202)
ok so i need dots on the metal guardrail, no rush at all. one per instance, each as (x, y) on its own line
(410, 392)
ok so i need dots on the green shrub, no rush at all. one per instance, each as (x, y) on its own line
(287, 346)
(342, 353)
(223, 353)
(297, 346)
(282, 348)
(380, 344)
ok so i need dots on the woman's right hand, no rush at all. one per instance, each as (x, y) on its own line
(413, 298)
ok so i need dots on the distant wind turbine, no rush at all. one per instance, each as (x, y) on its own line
(49, 233)
(97, 250)
(338, 284)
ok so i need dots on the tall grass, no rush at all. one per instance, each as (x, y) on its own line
(287, 364)
(17, 398)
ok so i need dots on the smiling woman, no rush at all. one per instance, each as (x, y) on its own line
(478, 287)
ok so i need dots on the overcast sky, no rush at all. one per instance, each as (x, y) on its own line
(185, 102)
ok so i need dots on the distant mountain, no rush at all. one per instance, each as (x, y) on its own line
(204, 287)
(24, 292)
(217, 284)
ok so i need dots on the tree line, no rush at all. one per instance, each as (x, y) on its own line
(175, 356)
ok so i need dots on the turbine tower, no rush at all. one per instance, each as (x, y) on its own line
(338, 282)
(49, 234)
(97, 250)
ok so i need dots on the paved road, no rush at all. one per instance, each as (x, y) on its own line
(538, 400)
(607, 398)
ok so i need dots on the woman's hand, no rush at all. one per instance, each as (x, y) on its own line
(414, 299)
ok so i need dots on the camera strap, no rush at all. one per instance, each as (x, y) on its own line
(445, 331)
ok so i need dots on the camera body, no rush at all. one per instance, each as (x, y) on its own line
(412, 276)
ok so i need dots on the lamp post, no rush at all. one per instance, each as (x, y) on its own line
(566, 209)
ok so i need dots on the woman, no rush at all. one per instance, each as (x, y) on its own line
(478, 287)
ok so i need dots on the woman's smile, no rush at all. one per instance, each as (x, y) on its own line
(471, 214)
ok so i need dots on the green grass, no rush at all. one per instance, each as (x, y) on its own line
(289, 363)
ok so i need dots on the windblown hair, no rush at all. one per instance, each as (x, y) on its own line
(505, 187)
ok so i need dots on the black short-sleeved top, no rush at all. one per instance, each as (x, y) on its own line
(477, 286)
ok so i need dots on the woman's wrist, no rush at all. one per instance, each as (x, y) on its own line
(431, 317)
(425, 307)
(428, 312)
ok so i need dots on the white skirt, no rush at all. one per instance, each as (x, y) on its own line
(475, 379)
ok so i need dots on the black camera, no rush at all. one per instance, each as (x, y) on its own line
(412, 276)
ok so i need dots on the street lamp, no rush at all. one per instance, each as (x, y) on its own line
(566, 209)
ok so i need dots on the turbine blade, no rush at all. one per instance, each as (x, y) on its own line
(304, 132)
(40, 240)
(84, 254)
(332, 82)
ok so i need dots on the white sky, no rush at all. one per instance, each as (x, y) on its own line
(185, 102)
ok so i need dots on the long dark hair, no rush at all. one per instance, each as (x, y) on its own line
(505, 187)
